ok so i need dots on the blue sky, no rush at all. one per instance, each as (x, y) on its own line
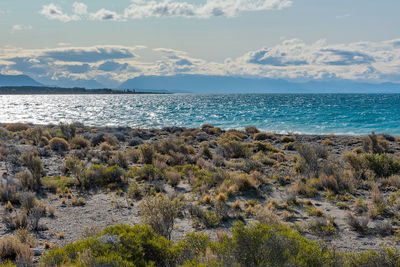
(111, 41)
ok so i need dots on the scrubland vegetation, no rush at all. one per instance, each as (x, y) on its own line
(196, 197)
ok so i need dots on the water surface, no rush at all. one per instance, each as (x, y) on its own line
(302, 113)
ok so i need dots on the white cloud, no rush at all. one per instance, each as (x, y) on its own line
(79, 8)
(106, 15)
(20, 27)
(291, 59)
(139, 9)
(54, 12)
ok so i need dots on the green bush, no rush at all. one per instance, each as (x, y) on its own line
(148, 172)
(98, 175)
(54, 182)
(382, 165)
(120, 245)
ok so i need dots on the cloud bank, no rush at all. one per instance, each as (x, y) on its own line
(140, 9)
(292, 60)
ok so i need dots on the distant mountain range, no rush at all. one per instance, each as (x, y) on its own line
(230, 84)
(191, 83)
(17, 80)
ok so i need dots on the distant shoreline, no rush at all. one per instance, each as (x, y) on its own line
(43, 90)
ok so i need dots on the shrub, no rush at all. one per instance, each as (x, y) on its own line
(264, 136)
(269, 245)
(66, 131)
(9, 193)
(233, 148)
(146, 154)
(99, 175)
(160, 213)
(359, 224)
(12, 249)
(79, 142)
(374, 144)
(329, 182)
(58, 144)
(310, 156)
(76, 167)
(105, 147)
(17, 127)
(35, 214)
(251, 130)
(148, 172)
(382, 165)
(4, 134)
(119, 246)
(134, 191)
(173, 177)
(78, 201)
(287, 139)
(26, 181)
(34, 135)
(119, 159)
(111, 140)
(32, 161)
(28, 200)
(53, 183)
(17, 221)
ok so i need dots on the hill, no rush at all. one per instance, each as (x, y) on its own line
(231, 84)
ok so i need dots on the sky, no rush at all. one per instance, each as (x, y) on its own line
(108, 42)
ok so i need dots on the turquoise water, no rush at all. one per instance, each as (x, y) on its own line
(302, 113)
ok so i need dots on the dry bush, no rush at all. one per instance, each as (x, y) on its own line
(4, 134)
(287, 139)
(393, 181)
(26, 181)
(359, 224)
(375, 144)
(59, 144)
(376, 195)
(310, 156)
(79, 142)
(32, 161)
(267, 216)
(360, 206)
(146, 154)
(35, 214)
(329, 182)
(25, 237)
(205, 151)
(8, 192)
(264, 136)
(120, 159)
(12, 249)
(17, 221)
(160, 213)
(34, 135)
(251, 130)
(17, 127)
(28, 200)
(373, 212)
(111, 140)
(358, 165)
(173, 177)
(133, 155)
(384, 228)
